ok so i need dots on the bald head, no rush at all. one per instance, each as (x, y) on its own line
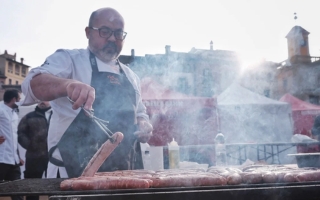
(109, 21)
(110, 12)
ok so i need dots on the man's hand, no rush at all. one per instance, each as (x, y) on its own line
(47, 87)
(21, 162)
(81, 94)
(144, 132)
(2, 139)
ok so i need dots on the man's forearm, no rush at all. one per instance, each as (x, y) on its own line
(47, 87)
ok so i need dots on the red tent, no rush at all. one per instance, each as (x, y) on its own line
(153, 90)
(303, 114)
(189, 120)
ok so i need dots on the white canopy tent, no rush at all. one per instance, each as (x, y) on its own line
(247, 117)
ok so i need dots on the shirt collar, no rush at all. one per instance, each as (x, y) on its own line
(6, 108)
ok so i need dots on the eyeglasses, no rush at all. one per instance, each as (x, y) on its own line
(107, 32)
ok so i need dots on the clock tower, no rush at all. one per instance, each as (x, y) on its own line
(298, 45)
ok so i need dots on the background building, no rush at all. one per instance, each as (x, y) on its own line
(12, 72)
(200, 72)
(299, 74)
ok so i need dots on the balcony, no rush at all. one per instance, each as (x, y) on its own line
(303, 59)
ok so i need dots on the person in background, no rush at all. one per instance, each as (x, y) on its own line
(315, 131)
(32, 135)
(91, 78)
(10, 161)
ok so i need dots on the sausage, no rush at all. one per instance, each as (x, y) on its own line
(290, 176)
(308, 176)
(146, 175)
(123, 183)
(280, 176)
(85, 184)
(234, 179)
(102, 183)
(269, 177)
(178, 171)
(66, 184)
(251, 177)
(136, 171)
(188, 181)
(181, 174)
(101, 155)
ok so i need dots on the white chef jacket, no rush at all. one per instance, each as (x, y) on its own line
(8, 128)
(72, 64)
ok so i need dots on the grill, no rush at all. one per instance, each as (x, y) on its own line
(50, 187)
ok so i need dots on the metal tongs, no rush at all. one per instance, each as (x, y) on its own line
(100, 122)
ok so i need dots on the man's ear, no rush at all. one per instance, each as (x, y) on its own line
(13, 100)
(87, 30)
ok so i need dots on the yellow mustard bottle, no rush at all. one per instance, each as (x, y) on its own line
(174, 155)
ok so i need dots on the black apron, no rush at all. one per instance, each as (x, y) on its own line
(115, 102)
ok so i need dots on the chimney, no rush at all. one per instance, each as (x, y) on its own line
(211, 45)
(132, 52)
(21, 59)
(168, 47)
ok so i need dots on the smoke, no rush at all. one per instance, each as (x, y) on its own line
(242, 116)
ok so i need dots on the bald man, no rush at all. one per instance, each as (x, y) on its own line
(91, 78)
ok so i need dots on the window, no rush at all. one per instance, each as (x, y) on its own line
(182, 85)
(207, 83)
(17, 69)
(10, 67)
(266, 93)
(285, 83)
(23, 72)
(10, 82)
(17, 82)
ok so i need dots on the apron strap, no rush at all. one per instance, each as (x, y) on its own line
(53, 160)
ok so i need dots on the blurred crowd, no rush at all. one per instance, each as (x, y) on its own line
(30, 132)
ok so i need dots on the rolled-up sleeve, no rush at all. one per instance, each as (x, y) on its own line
(58, 64)
(141, 111)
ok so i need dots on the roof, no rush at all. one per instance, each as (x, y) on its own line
(295, 30)
(297, 104)
(213, 52)
(236, 95)
(154, 90)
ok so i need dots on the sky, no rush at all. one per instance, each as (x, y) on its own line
(256, 29)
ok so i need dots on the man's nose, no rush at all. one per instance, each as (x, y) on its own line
(112, 37)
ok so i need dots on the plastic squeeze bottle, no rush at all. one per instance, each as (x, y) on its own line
(146, 156)
(174, 155)
(220, 148)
